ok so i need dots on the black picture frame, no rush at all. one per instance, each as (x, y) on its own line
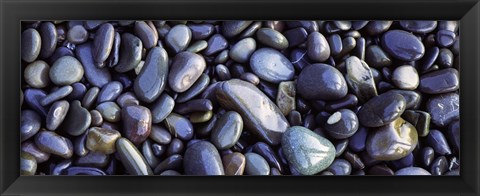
(13, 11)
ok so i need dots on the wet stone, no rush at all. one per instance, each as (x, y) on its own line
(441, 81)
(146, 33)
(444, 108)
(376, 57)
(359, 78)
(340, 167)
(242, 50)
(152, 79)
(317, 47)
(58, 94)
(28, 164)
(202, 158)
(30, 124)
(445, 38)
(97, 119)
(90, 97)
(419, 119)
(109, 92)
(200, 85)
(438, 142)
(77, 34)
(271, 65)
(185, 70)
(402, 45)
(234, 164)
(137, 123)
(342, 124)
(419, 26)
(272, 38)
(162, 107)
(405, 77)
(392, 141)
(77, 121)
(296, 36)
(254, 107)
(416, 171)
(36, 74)
(227, 130)
(201, 31)
(160, 135)
(306, 151)
(321, 81)
(31, 45)
(286, 97)
(102, 44)
(32, 99)
(65, 71)
(131, 158)
(178, 38)
(179, 126)
(130, 53)
(32, 149)
(56, 114)
(381, 110)
(110, 111)
(50, 142)
(256, 164)
(94, 75)
(233, 28)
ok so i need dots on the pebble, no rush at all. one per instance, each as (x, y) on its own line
(254, 107)
(137, 123)
(201, 31)
(77, 121)
(130, 53)
(30, 124)
(127, 98)
(272, 38)
(66, 71)
(340, 167)
(162, 107)
(28, 164)
(151, 81)
(93, 159)
(427, 155)
(360, 79)
(439, 82)
(178, 38)
(445, 38)
(176, 147)
(321, 81)
(173, 162)
(376, 57)
(342, 124)
(197, 46)
(416, 171)
(402, 45)
(250, 77)
(109, 92)
(50, 142)
(227, 130)
(198, 87)
(439, 166)
(392, 141)
(90, 97)
(216, 43)
(56, 95)
(57, 113)
(306, 151)
(97, 119)
(242, 50)
(233, 28)
(36, 74)
(148, 34)
(419, 26)
(335, 43)
(272, 66)
(131, 158)
(429, 58)
(453, 135)
(256, 164)
(179, 126)
(445, 58)
(285, 99)
(381, 110)
(90, 171)
(102, 140)
(419, 119)
(405, 77)
(148, 154)
(438, 142)
(32, 98)
(377, 27)
(444, 108)
(96, 76)
(110, 111)
(296, 36)
(234, 163)
(185, 70)
(32, 149)
(31, 45)
(48, 35)
(194, 105)
(160, 135)
(103, 44)
(77, 34)
(317, 47)
(200, 117)
(202, 158)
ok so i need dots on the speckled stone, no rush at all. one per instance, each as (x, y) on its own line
(306, 151)
(66, 70)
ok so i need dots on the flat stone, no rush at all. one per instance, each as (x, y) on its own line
(77, 121)
(419, 26)
(31, 45)
(202, 158)
(216, 43)
(185, 70)
(66, 70)
(148, 34)
(178, 38)
(160, 135)
(56, 95)
(233, 28)
(381, 110)
(271, 65)
(109, 92)
(151, 81)
(256, 164)
(57, 113)
(439, 82)
(30, 124)
(242, 50)
(110, 111)
(227, 130)
(36, 74)
(162, 107)
(94, 75)
(306, 151)
(402, 45)
(53, 143)
(130, 53)
(321, 81)
(179, 126)
(272, 38)
(103, 44)
(200, 85)
(254, 107)
(444, 108)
